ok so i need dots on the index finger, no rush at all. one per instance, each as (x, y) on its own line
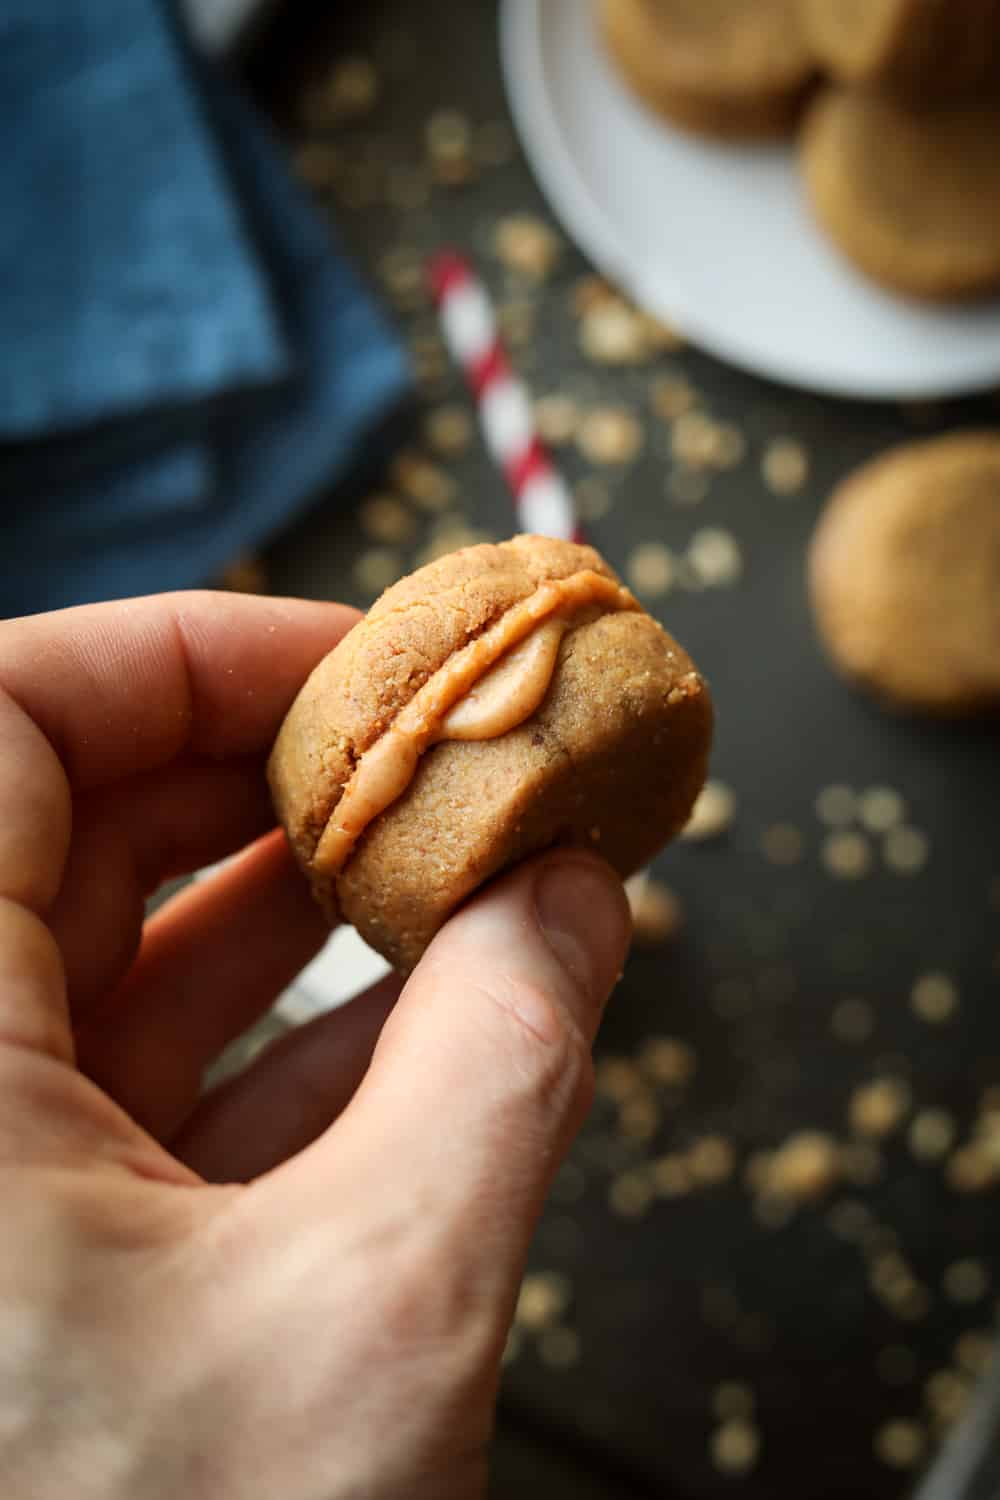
(127, 686)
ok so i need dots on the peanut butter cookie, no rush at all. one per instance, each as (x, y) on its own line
(925, 51)
(723, 67)
(499, 701)
(904, 574)
(913, 200)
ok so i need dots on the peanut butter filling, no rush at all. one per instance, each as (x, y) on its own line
(481, 692)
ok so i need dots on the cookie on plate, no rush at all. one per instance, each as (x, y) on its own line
(913, 200)
(923, 50)
(502, 700)
(904, 573)
(722, 67)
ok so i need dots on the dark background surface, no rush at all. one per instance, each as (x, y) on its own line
(696, 1290)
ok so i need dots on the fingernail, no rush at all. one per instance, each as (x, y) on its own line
(583, 914)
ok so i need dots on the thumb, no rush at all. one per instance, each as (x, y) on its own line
(483, 1073)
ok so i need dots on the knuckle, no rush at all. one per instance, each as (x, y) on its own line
(548, 1057)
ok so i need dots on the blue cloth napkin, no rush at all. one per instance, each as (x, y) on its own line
(188, 358)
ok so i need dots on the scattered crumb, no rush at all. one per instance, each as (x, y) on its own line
(542, 1300)
(377, 569)
(881, 808)
(448, 430)
(932, 1134)
(317, 163)
(970, 1170)
(711, 1160)
(846, 855)
(609, 435)
(852, 1021)
(935, 998)
(973, 1352)
(666, 1060)
(715, 556)
(671, 396)
(349, 92)
(906, 850)
(947, 1395)
(966, 1281)
(877, 1108)
(589, 291)
(657, 914)
(613, 333)
(785, 466)
(804, 1168)
(386, 519)
(712, 814)
(671, 1176)
(782, 844)
(650, 569)
(630, 1194)
(556, 417)
(527, 245)
(422, 481)
(639, 1117)
(837, 806)
(402, 273)
(559, 1348)
(900, 1444)
(735, 1446)
(616, 1078)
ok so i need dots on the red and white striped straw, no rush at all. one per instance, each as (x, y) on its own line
(542, 498)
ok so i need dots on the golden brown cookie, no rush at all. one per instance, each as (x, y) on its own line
(904, 574)
(724, 67)
(503, 699)
(913, 200)
(923, 50)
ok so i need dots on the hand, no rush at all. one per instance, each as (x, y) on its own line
(301, 1285)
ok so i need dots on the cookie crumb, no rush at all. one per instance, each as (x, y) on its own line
(527, 245)
(906, 850)
(715, 556)
(543, 1298)
(711, 1160)
(650, 569)
(735, 1446)
(881, 808)
(846, 855)
(837, 806)
(877, 1108)
(966, 1281)
(448, 430)
(900, 1444)
(970, 1170)
(935, 998)
(630, 1194)
(593, 498)
(785, 466)
(974, 1351)
(804, 1168)
(712, 814)
(386, 519)
(556, 417)
(609, 435)
(448, 141)
(422, 481)
(931, 1134)
(657, 914)
(612, 333)
(671, 1176)
(666, 1060)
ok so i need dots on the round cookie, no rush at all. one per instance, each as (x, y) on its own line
(597, 732)
(922, 50)
(913, 200)
(722, 67)
(904, 573)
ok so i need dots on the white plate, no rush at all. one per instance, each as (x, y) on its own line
(718, 239)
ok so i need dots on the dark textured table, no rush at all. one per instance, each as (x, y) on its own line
(694, 1324)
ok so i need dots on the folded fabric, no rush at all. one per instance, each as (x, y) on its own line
(189, 358)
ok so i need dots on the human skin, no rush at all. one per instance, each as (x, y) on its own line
(300, 1285)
